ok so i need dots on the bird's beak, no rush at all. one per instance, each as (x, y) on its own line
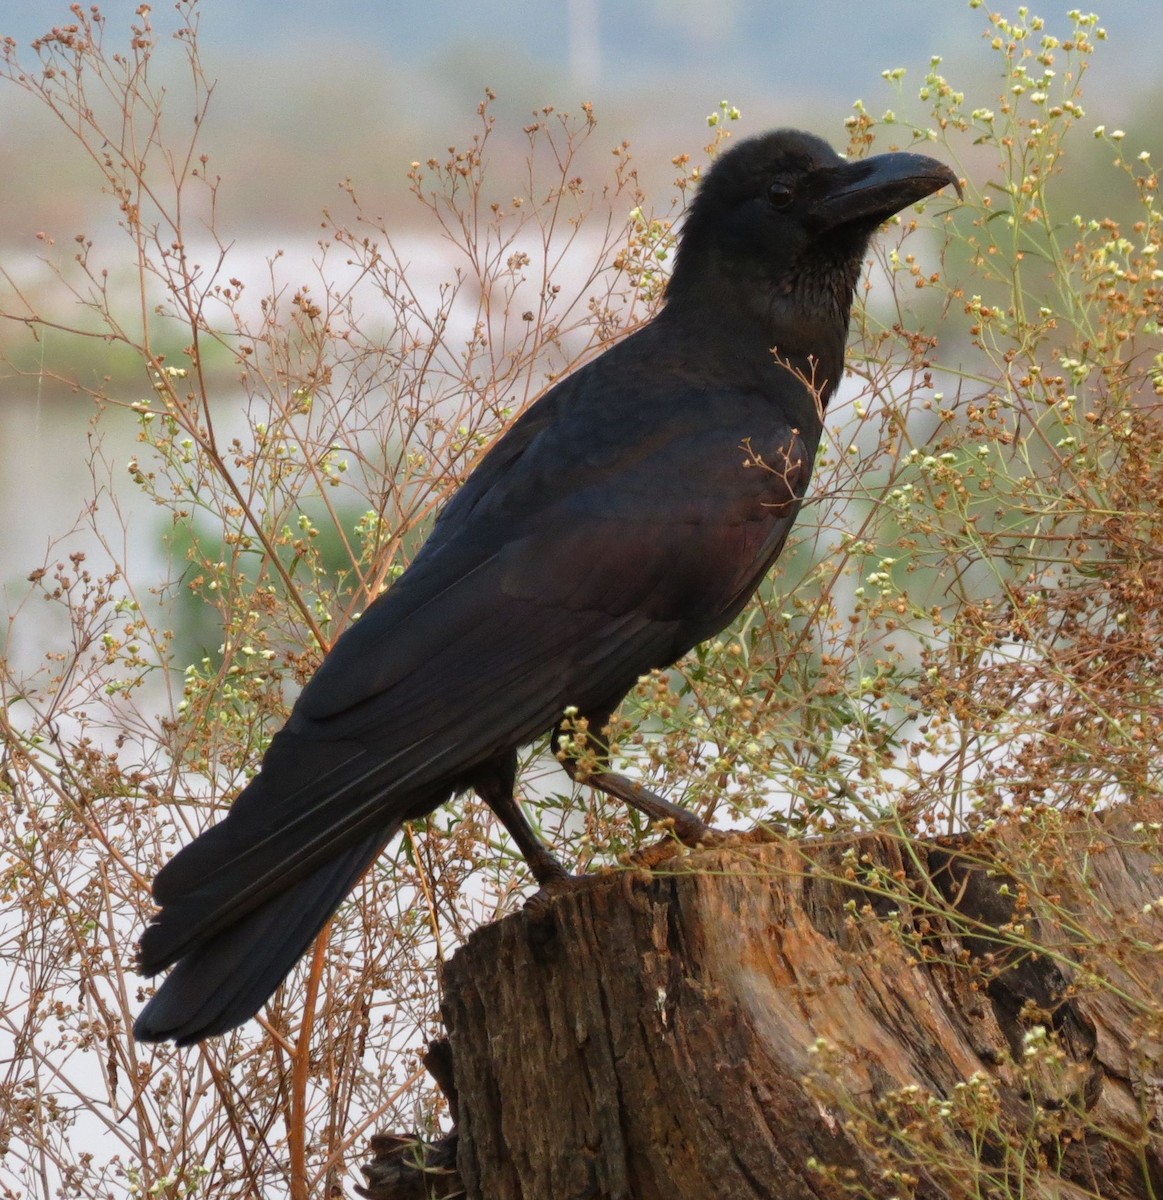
(868, 191)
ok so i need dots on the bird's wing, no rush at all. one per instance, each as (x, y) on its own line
(582, 567)
(592, 533)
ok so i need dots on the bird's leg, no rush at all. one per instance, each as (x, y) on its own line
(497, 793)
(688, 828)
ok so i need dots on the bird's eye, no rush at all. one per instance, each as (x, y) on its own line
(779, 195)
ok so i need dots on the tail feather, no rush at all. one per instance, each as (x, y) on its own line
(226, 979)
(259, 852)
(300, 777)
(243, 901)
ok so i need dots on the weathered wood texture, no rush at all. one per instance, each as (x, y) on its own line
(650, 1037)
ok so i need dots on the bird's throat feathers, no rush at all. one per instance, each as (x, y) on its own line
(806, 314)
(798, 318)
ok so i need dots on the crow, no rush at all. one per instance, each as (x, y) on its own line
(626, 516)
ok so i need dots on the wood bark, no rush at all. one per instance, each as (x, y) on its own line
(752, 1020)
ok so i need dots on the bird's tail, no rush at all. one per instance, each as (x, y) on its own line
(226, 979)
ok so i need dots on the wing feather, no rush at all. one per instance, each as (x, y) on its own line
(559, 575)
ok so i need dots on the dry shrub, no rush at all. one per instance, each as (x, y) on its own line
(969, 623)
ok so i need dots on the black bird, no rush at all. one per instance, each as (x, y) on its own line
(627, 515)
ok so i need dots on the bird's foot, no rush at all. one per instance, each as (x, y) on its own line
(553, 887)
(696, 834)
(649, 857)
(671, 845)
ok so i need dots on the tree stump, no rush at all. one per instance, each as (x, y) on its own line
(869, 1016)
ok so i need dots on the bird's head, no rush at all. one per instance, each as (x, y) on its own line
(780, 225)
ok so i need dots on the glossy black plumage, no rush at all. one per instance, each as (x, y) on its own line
(621, 520)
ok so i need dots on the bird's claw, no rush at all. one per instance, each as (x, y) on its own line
(704, 837)
(559, 885)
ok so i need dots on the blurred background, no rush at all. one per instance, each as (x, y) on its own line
(307, 95)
